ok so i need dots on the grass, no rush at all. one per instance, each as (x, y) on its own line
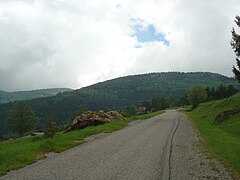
(144, 116)
(23, 151)
(221, 140)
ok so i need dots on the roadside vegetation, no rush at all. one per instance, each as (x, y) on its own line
(235, 43)
(144, 116)
(196, 95)
(115, 94)
(219, 121)
(219, 124)
(18, 153)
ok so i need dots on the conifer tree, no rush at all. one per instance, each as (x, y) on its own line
(235, 43)
(51, 126)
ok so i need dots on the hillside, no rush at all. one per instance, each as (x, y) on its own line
(221, 139)
(118, 93)
(28, 95)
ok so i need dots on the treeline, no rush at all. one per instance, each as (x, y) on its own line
(22, 121)
(117, 94)
(155, 104)
(160, 103)
(194, 96)
(220, 92)
(27, 95)
(198, 94)
(21, 118)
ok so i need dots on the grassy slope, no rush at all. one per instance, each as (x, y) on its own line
(18, 153)
(222, 140)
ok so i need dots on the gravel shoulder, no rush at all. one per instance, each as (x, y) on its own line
(187, 160)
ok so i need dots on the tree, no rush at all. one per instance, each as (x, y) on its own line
(21, 119)
(235, 43)
(196, 95)
(222, 92)
(231, 90)
(183, 101)
(51, 126)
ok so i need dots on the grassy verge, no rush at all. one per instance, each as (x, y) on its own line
(144, 116)
(221, 140)
(23, 151)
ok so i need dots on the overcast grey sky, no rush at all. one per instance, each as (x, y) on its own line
(74, 43)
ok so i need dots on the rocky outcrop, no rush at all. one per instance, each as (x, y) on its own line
(225, 114)
(93, 118)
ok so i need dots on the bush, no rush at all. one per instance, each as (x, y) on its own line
(196, 95)
(51, 127)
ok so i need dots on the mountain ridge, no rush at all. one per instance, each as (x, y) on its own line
(118, 93)
(6, 96)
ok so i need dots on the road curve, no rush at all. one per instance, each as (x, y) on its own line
(140, 151)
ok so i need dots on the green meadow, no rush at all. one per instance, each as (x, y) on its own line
(221, 140)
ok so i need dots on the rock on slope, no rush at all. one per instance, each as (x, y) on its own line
(93, 118)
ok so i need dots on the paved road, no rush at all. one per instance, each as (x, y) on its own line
(136, 152)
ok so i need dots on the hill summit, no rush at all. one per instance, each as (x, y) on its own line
(118, 93)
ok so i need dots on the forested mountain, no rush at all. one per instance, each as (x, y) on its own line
(27, 95)
(118, 93)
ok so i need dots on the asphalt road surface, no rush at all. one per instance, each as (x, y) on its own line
(140, 151)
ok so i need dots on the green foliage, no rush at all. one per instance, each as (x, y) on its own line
(153, 105)
(144, 116)
(129, 111)
(235, 43)
(220, 92)
(160, 103)
(27, 95)
(196, 95)
(223, 139)
(183, 101)
(117, 94)
(21, 118)
(51, 127)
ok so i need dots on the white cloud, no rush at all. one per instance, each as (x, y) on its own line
(73, 43)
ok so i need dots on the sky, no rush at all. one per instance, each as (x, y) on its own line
(75, 43)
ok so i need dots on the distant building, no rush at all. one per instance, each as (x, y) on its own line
(142, 110)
